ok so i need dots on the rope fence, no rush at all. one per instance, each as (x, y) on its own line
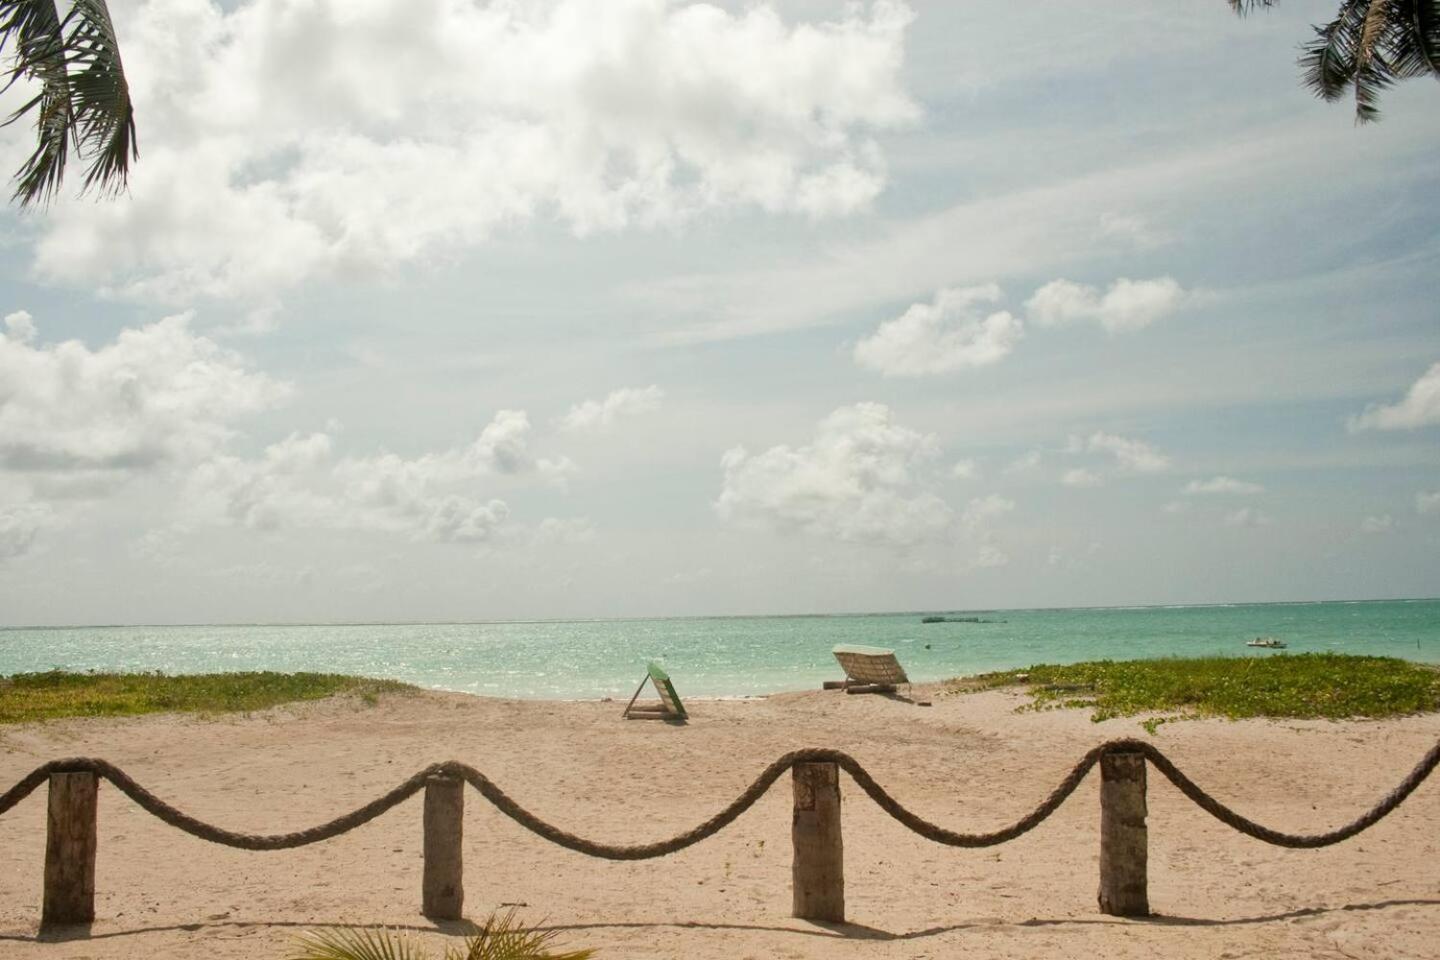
(818, 848)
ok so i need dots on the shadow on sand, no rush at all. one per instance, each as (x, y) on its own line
(837, 931)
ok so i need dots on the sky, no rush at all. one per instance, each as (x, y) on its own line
(456, 310)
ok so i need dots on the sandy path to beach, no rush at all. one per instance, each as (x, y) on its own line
(969, 762)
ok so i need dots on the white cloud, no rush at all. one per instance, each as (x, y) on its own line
(1419, 408)
(1127, 305)
(1427, 502)
(1132, 228)
(286, 138)
(564, 531)
(76, 422)
(966, 469)
(299, 483)
(157, 394)
(1058, 556)
(19, 327)
(1024, 463)
(1383, 523)
(1247, 517)
(1222, 485)
(943, 336)
(1034, 225)
(19, 526)
(601, 414)
(457, 519)
(556, 472)
(989, 557)
(860, 480)
(1080, 477)
(503, 446)
(980, 511)
(1131, 456)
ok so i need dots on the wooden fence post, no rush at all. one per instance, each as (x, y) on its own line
(818, 870)
(443, 890)
(1124, 840)
(70, 840)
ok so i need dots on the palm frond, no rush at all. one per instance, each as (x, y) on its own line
(1370, 80)
(504, 938)
(1377, 23)
(1401, 46)
(1423, 32)
(1327, 63)
(1367, 48)
(100, 97)
(33, 30)
(1242, 7)
(84, 99)
(357, 943)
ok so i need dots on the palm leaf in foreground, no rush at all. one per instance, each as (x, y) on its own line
(101, 97)
(357, 943)
(503, 938)
(33, 31)
(1367, 48)
(84, 99)
(500, 938)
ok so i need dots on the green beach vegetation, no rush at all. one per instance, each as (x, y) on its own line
(27, 697)
(1306, 685)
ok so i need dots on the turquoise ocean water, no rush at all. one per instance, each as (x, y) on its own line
(724, 656)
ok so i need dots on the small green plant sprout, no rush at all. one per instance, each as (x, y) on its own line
(501, 937)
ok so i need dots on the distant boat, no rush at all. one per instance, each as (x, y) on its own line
(1269, 643)
(954, 620)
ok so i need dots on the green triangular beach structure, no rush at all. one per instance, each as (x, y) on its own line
(669, 707)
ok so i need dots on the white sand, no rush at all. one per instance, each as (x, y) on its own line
(969, 762)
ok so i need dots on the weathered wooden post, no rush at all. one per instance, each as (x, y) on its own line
(818, 870)
(1124, 843)
(443, 890)
(70, 840)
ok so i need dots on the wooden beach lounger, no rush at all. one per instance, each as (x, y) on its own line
(868, 670)
(669, 707)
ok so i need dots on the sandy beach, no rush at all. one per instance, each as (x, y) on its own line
(968, 762)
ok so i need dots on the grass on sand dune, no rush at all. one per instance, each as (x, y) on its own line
(27, 697)
(1307, 685)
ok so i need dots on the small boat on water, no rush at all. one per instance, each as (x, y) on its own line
(938, 618)
(1269, 643)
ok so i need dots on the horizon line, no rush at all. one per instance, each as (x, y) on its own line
(715, 616)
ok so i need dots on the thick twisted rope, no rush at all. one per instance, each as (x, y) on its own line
(756, 790)
(181, 820)
(1249, 827)
(325, 831)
